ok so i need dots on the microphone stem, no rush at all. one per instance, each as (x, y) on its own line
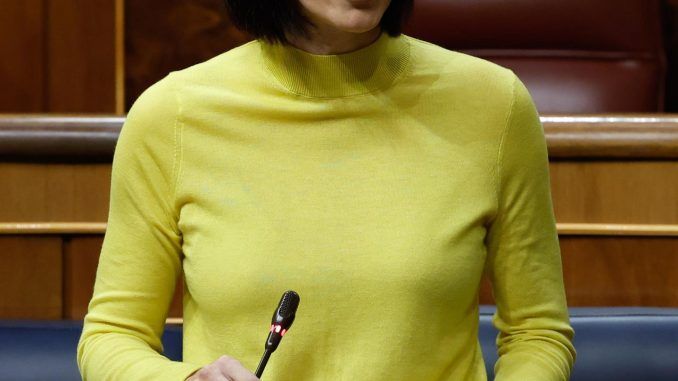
(262, 363)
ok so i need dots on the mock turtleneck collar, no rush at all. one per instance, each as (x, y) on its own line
(373, 67)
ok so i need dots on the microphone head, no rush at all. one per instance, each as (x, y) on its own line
(287, 308)
(283, 317)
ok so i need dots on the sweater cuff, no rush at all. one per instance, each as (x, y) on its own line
(532, 364)
(181, 371)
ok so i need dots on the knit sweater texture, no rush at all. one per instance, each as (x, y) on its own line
(380, 184)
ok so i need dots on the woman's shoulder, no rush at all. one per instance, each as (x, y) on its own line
(457, 75)
(428, 57)
(229, 65)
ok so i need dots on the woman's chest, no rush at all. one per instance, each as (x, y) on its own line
(407, 220)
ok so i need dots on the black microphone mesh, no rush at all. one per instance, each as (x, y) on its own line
(289, 303)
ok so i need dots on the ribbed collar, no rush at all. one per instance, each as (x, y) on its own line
(373, 67)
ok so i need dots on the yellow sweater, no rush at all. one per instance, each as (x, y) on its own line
(379, 184)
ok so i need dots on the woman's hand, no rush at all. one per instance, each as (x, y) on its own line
(224, 369)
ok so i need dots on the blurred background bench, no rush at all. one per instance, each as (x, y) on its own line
(620, 344)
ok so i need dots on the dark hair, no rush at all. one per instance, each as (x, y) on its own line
(270, 20)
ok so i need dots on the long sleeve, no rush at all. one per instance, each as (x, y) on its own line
(524, 264)
(141, 253)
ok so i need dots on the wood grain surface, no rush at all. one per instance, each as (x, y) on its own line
(22, 26)
(31, 277)
(616, 271)
(33, 192)
(62, 56)
(83, 46)
(81, 257)
(162, 36)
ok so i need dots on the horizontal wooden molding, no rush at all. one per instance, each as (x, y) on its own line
(627, 136)
(60, 138)
(38, 137)
(58, 228)
(618, 229)
(564, 229)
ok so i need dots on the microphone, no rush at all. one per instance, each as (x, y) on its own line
(282, 320)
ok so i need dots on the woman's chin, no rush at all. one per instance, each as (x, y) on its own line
(358, 21)
(357, 27)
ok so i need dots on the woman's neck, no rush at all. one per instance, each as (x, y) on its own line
(324, 40)
(367, 69)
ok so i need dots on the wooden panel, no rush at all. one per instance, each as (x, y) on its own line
(54, 192)
(30, 277)
(21, 48)
(621, 271)
(671, 43)
(81, 257)
(616, 271)
(176, 309)
(615, 192)
(485, 296)
(583, 192)
(599, 271)
(162, 36)
(62, 56)
(83, 50)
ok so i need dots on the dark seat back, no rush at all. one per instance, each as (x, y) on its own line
(613, 344)
(616, 344)
(575, 56)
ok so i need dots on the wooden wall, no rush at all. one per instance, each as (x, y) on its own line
(69, 55)
(614, 181)
(62, 56)
(44, 273)
(23, 56)
(162, 36)
(99, 55)
(615, 203)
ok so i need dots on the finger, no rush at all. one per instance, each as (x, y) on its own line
(211, 372)
(234, 370)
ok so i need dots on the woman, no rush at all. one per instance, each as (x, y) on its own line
(377, 175)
